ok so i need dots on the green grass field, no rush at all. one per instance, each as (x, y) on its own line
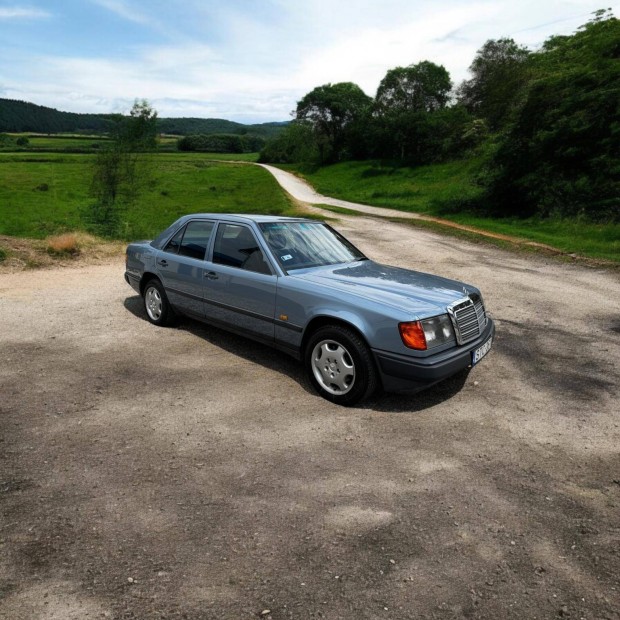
(71, 143)
(59, 142)
(426, 188)
(46, 194)
(420, 189)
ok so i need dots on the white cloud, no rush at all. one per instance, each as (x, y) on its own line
(16, 12)
(125, 11)
(128, 12)
(183, 81)
(366, 55)
(234, 62)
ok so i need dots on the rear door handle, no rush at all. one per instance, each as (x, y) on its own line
(211, 275)
(162, 263)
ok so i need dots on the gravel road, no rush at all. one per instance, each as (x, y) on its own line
(187, 473)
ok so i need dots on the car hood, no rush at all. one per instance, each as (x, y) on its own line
(422, 294)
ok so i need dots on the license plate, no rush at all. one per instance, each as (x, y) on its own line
(480, 352)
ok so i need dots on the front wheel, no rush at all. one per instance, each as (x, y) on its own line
(156, 304)
(340, 365)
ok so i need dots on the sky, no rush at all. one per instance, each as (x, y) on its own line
(248, 60)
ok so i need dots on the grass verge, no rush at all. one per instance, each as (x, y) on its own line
(426, 189)
(339, 210)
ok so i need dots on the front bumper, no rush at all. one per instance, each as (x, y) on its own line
(405, 374)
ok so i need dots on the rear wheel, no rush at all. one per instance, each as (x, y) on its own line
(156, 304)
(340, 365)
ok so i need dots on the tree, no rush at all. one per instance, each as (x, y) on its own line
(424, 87)
(561, 153)
(331, 110)
(138, 131)
(499, 73)
(409, 120)
(421, 137)
(120, 169)
(295, 144)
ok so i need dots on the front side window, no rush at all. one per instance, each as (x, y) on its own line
(299, 245)
(236, 246)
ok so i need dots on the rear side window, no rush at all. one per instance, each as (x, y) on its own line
(194, 240)
(175, 243)
(236, 246)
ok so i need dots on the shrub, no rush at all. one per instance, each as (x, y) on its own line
(6, 140)
(3, 254)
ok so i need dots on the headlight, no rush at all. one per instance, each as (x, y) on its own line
(426, 334)
(437, 330)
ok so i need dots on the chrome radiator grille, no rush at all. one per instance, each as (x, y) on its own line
(468, 318)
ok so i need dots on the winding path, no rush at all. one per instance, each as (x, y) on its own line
(303, 191)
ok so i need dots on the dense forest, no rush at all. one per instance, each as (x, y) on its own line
(546, 124)
(21, 116)
(222, 143)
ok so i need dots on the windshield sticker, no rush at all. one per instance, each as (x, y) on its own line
(286, 257)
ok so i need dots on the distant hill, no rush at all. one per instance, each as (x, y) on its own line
(18, 116)
(22, 116)
(190, 126)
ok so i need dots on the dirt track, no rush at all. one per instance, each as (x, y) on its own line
(187, 473)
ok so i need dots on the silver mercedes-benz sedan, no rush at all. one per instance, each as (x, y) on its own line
(300, 286)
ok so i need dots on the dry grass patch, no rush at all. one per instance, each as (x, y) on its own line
(80, 248)
(64, 245)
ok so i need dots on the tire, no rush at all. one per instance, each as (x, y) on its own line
(340, 365)
(156, 304)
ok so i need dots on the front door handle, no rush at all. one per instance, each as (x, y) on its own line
(162, 263)
(211, 275)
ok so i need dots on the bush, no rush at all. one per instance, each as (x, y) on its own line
(3, 254)
(6, 140)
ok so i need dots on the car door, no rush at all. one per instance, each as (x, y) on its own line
(240, 284)
(181, 266)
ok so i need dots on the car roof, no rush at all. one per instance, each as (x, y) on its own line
(243, 217)
(227, 217)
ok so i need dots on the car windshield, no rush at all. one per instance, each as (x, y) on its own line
(299, 245)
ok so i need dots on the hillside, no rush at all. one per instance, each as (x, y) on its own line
(192, 126)
(22, 116)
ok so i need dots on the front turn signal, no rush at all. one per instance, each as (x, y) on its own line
(412, 335)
